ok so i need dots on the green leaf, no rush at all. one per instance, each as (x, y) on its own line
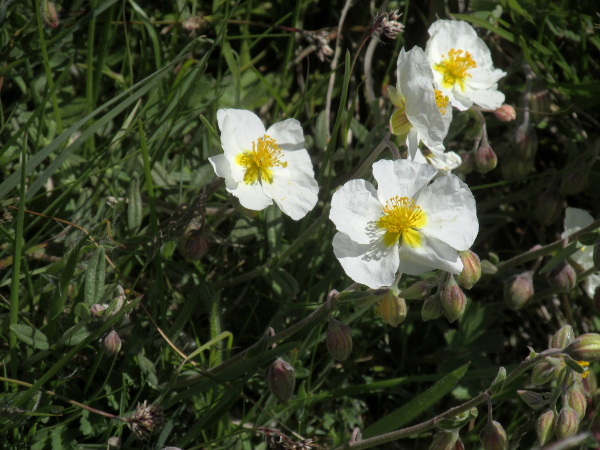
(30, 336)
(274, 224)
(559, 257)
(134, 206)
(94, 277)
(148, 369)
(417, 405)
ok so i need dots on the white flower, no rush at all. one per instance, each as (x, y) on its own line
(462, 65)
(407, 224)
(261, 166)
(575, 219)
(423, 113)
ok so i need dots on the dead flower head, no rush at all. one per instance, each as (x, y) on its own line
(388, 25)
(145, 420)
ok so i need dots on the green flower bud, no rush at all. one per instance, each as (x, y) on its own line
(505, 113)
(471, 269)
(518, 290)
(339, 339)
(585, 348)
(193, 246)
(97, 311)
(567, 422)
(575, 180)
(432, 308)
(539, 104)
(455, 423)
(281, 380)
(562, 277)
(493, 437)
(548, 206)
(533, 399)
(563, 337)
(485, 159)
(417, 291)
(498, 383)
(49, 15)
(542, 373)
(392, 309)
(516, 168)
(452, 298)
(446, 440)
(546, 425)
(577, 400)
(526, 142)
(111, 344)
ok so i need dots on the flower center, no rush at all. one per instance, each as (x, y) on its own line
(401, 219)
(441, 101)
(258, 162)
(454, 68)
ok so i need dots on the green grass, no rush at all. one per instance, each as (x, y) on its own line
(106, 126)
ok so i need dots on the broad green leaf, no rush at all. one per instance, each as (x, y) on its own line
(30, 336)
(94, 277)
(417, 405)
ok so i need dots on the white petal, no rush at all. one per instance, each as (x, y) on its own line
(248, 126)
(400, 178)
(367, 264)
(221, 167)
(433, 254)
(591, 283)
(412, 143)
(288, 134)
(231, 147)
(423, 113)
(576, 219)
(489, 99)
(445, 161)
(451, 212)
(294, 188)
(354, 209)
(420, 158)
(251, 196)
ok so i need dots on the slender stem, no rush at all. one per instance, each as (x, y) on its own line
(431, 423)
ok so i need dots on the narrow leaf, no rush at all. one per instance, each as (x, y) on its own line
(30, 336)
(94, 277)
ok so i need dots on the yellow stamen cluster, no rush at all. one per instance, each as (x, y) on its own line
(401, 218)
(441, 101)
(584, 364)
(455, 67)
(258, 162)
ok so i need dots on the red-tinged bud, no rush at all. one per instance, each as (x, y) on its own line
(546, 425)
(575, 180)
(505, 113)
(392, 309)
(518, 290)
(567, 422)
(577, 400)
(445, 440)
(339, 339)
(471, 269)
(49, 15)
(432, 308)
(526, 142)
(281, 380)
(585, 348)
(97, 311)
(533, 399)
(563, 337)
(542, 373)
(485, 159)
(468, 163)
(417, 291)
(193, 246)
(548, 207)
(562, 277)
(452, 298)
(493, 437)
(111, 344)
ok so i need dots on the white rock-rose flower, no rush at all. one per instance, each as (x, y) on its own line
(575, 219)
(261, 166)
(423, 113)
(406, 224)
(462, 65)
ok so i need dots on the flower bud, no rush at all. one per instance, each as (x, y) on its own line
(548, 207)
(432, 308)
(457, 422)
(445, 440)
(575, 180)
(468, 163)
(562, 277)
(526, 142)
(539, 104)
(471, 269)
(49, 15)
(193, 245)
(516, 168)
(545, 426)
(563, 337)
(485, 159)
(417, 291)
(596, 254)
(533, 399)
(392, 309)
(542, 373)
(281, 379)
(567, 422)
(585, 348)
(518, 290)
(498, 383)
(97, 311)
(493, 437)
(339, 339)
(505, 113)
(453, 299)
(577, 400)
(111, 344)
